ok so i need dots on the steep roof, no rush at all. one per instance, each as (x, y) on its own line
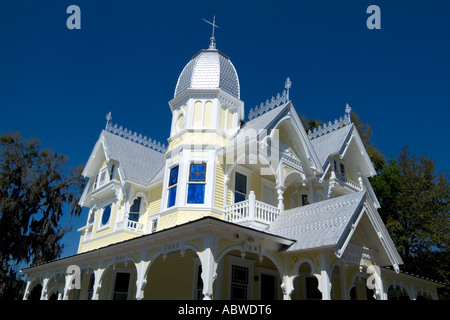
(139, 164)
(331, 143)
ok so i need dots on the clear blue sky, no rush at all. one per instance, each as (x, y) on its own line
(58, 84)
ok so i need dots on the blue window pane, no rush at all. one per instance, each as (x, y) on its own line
(173, 178)
(133, 217)
(136, 205)
(240, 183)
(238, 197)
(172, 196)
(197, 172)
(196, 193)
(106, 215)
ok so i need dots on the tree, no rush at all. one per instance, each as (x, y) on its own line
(36, 189)
(415, 208)
(365, 132)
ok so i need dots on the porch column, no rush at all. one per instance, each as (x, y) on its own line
(280, 191)
(98, 275)
(72, 280)
(375, 282)
(287, 286)
(209, 266)
(251, 205)
(44, 295)
(27, 290)
(141, 276)
(325, 276)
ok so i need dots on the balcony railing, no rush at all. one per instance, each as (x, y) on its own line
(251, 212)
(129, 225)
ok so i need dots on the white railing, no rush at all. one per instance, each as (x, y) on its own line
(129, 225)
(349, 183)
(251, 210)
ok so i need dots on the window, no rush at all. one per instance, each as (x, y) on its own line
(95, 182)
(199, 287)
(240, 187)
(304, 199)
(342, 167)
(173, 180)
(121, 286)
(111, 173)
(154, 224)
(339, 169)
(135, 210)
(102, 177)
(196, 186)
(106, 215)
(239, 282)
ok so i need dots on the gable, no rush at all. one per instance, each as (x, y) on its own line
(137, 163)
(285, 120)
(343, 142)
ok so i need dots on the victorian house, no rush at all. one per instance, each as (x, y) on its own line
(233, 207)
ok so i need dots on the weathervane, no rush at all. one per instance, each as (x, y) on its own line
(212, 45)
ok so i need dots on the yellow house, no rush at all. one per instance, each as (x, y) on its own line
(230, 209)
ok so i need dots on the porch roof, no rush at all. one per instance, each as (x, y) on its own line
(321, 224)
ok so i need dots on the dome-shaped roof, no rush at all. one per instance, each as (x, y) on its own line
(209, 69)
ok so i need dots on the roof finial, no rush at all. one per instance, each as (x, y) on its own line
(347, 114)
(108, 119)
(287, 86)
(212, 45)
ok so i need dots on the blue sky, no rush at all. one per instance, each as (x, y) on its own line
(58, 84)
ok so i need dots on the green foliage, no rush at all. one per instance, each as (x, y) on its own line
(35, 190)
(415, 209)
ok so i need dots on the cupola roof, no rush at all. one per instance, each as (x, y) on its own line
(209, 69)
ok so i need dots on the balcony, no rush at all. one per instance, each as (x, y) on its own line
(251, 213)
(129, 225)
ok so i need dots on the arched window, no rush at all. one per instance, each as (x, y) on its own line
(135, 210)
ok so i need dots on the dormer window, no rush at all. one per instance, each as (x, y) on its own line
(342, 170)
(105, 175)
(111, 173)
(339, 169)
